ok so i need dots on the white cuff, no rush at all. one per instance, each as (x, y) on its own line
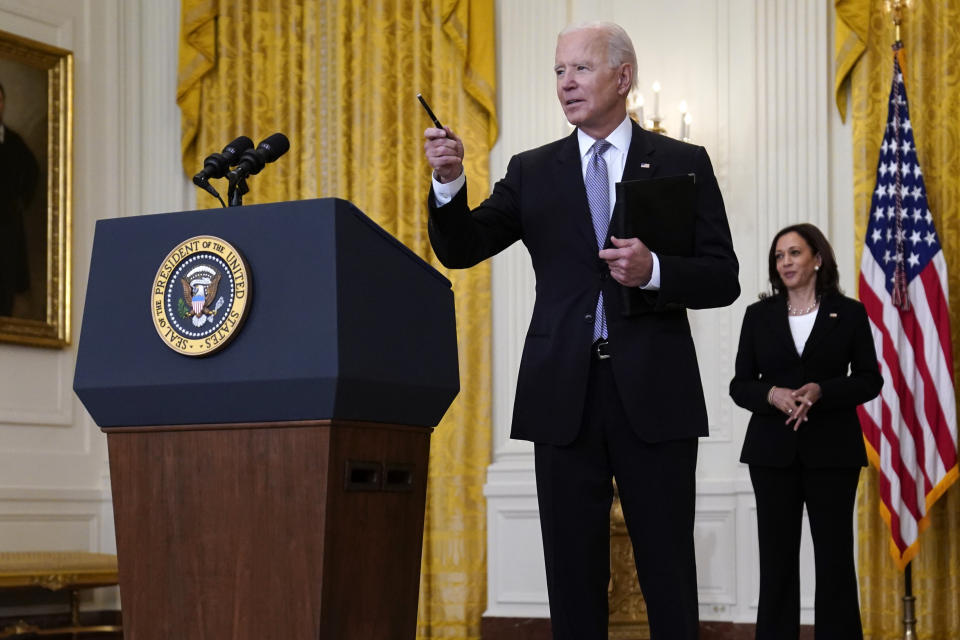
(654, 283)
(444, 192)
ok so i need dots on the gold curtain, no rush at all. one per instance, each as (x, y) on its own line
(339, 78)
(931, 35)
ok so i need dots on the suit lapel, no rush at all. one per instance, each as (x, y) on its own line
(570, 185)
(780, 324)
(827, 318)
(639, 164)
(640, 158)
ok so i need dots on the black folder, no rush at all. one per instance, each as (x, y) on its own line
(661, 212)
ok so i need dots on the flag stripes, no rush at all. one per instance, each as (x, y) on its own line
(911, 428)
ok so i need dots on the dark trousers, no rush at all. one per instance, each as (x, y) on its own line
(657, 492)
(829, 495)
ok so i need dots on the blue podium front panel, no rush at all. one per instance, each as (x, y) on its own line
(343, 322)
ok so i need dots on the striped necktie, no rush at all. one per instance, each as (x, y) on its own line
(598, 196)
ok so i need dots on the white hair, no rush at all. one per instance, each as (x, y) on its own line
(619, 46)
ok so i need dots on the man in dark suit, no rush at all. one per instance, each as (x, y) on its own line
(600, 394)
(18, 184)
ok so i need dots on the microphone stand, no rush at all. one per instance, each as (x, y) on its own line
(236, 192)
(206, 186)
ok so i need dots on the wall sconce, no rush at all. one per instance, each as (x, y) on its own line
(655, 122)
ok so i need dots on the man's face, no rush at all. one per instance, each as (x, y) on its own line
(592, 94)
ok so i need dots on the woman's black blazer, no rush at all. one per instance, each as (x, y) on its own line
(839, 356)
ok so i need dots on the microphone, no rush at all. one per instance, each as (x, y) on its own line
(217, 164)
(252, 161)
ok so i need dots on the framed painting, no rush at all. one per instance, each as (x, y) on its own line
(36, 144)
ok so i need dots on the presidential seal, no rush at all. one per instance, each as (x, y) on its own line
(201, 296)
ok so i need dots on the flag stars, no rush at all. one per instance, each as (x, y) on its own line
(917, 193)
(878, 213)
(916, 171)
(892, 167)
(887, 257)
(917, 215)
(890, 213)
(882, 169)
(913, 260)
(930, 238)
(906, 125)
(906, 147)
(876, 236)
(915, 237)
(881, 191)
(929, 217)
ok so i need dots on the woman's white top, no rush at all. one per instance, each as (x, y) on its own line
(801, 326)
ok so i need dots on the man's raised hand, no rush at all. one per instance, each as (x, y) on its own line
(444, 151)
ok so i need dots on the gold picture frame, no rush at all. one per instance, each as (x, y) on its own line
(36, 111)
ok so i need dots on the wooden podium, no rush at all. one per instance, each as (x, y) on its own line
(276, 488)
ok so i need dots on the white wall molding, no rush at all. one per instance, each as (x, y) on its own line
(12, 495)
(54, 482)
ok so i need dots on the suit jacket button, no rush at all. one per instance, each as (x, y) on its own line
(588, 317)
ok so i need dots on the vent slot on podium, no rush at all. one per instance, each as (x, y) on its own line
(363, 475)
(398, 477)
(367, 475)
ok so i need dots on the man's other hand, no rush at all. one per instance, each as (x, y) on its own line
(630, 262)
(444, 151)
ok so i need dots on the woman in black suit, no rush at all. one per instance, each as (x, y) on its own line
(806, 360)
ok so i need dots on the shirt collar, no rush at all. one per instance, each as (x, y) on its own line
(619, 138)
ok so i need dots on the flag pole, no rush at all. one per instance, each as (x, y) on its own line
(896, 8)
(909, 617)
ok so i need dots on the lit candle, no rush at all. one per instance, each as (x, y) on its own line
(656, 100)
(683, 120)
(686, 128)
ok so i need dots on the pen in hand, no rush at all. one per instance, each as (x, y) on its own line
(429, 111)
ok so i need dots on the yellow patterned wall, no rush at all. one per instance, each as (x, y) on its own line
(340, 79)
(931, 35)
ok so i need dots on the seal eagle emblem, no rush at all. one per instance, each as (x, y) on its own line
(201, 295)
(200, 291)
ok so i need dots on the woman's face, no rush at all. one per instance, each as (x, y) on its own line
(796, 263)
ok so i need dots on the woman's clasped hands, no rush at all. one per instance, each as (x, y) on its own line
(795, 403)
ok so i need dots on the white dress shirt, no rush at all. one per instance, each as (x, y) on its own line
(801, 327)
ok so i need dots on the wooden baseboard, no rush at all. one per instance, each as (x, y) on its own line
(539, 629)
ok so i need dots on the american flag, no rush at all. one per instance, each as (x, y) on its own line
(911, 427)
